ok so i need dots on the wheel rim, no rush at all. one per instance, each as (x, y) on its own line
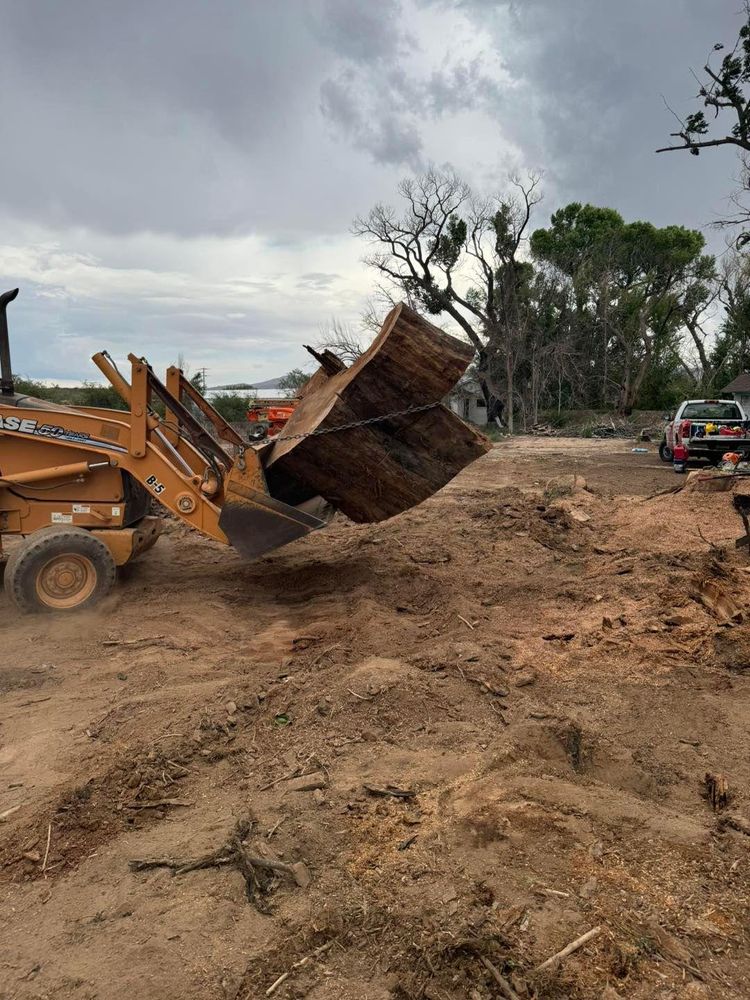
(66, 581)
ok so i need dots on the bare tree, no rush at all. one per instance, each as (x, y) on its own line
(725, 92)
(341, 339)
(453, 253)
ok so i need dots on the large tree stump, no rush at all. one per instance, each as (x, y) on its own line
(371, 473)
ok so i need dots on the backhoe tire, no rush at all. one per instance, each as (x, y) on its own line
(59, 568)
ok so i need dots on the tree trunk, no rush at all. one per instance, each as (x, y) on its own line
(509, 389)
(374, 471)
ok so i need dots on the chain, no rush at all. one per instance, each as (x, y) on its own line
(356, 423)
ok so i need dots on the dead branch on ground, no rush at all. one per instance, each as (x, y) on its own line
(259, 873)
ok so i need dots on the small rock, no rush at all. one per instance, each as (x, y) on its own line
(597, 850)
(122, 677)
(307, 782)
(32, 856)
(675, 620)
(319, 797)
(588, 888)
(369, 735)
(579, 515)
(607, 622)
(322, 708)
(231, 707)
(525, 678)
(301, 875)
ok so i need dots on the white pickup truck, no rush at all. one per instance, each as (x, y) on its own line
(705, 428)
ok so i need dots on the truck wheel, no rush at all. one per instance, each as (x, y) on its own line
(665, 452)
(60, 568)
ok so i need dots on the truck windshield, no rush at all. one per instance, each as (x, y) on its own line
(711, 411)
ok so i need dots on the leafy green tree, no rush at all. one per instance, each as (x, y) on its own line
(294, 380)
(731, 350)
(103, 396)
(630, 286)
(198, 381)
(33, 387)
(233, 408)
(87, 394)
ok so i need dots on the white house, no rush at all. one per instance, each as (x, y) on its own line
(739, 389)
(468, 402)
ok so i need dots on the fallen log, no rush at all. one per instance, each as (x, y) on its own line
(371, 472)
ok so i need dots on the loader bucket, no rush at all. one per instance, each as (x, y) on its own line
(256, 523)
(338, 446)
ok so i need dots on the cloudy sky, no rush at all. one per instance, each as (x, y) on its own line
(180, 176)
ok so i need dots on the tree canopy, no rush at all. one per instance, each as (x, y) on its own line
(589, 311)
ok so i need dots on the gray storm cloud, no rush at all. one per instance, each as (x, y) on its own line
(186, 172)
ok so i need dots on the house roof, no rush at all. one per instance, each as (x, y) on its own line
(466, 387)
(740, 384)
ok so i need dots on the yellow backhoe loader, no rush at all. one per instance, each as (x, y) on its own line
(78, 483)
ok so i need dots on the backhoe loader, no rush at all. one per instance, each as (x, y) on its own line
(79, 483)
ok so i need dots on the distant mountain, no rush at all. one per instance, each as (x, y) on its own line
(271, 383)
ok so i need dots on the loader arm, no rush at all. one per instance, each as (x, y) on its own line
(178, 386)
(226, 496)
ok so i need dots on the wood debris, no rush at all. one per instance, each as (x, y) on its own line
(258, 872)
(717, 790)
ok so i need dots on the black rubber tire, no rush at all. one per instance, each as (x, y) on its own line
(257, 432)
(28, 558)
(665, 452)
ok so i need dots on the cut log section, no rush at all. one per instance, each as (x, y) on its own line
(375, 471)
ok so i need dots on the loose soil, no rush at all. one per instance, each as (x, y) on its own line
(550, 664)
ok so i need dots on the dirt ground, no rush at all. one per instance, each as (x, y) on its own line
(510, 698)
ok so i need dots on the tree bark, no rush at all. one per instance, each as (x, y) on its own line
(509, 389)
(374, 471)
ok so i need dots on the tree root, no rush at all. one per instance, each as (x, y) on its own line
(259, 873)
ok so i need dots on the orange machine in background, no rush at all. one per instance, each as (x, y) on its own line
(268, 417)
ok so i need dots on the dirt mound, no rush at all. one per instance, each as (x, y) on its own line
(482, 729)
